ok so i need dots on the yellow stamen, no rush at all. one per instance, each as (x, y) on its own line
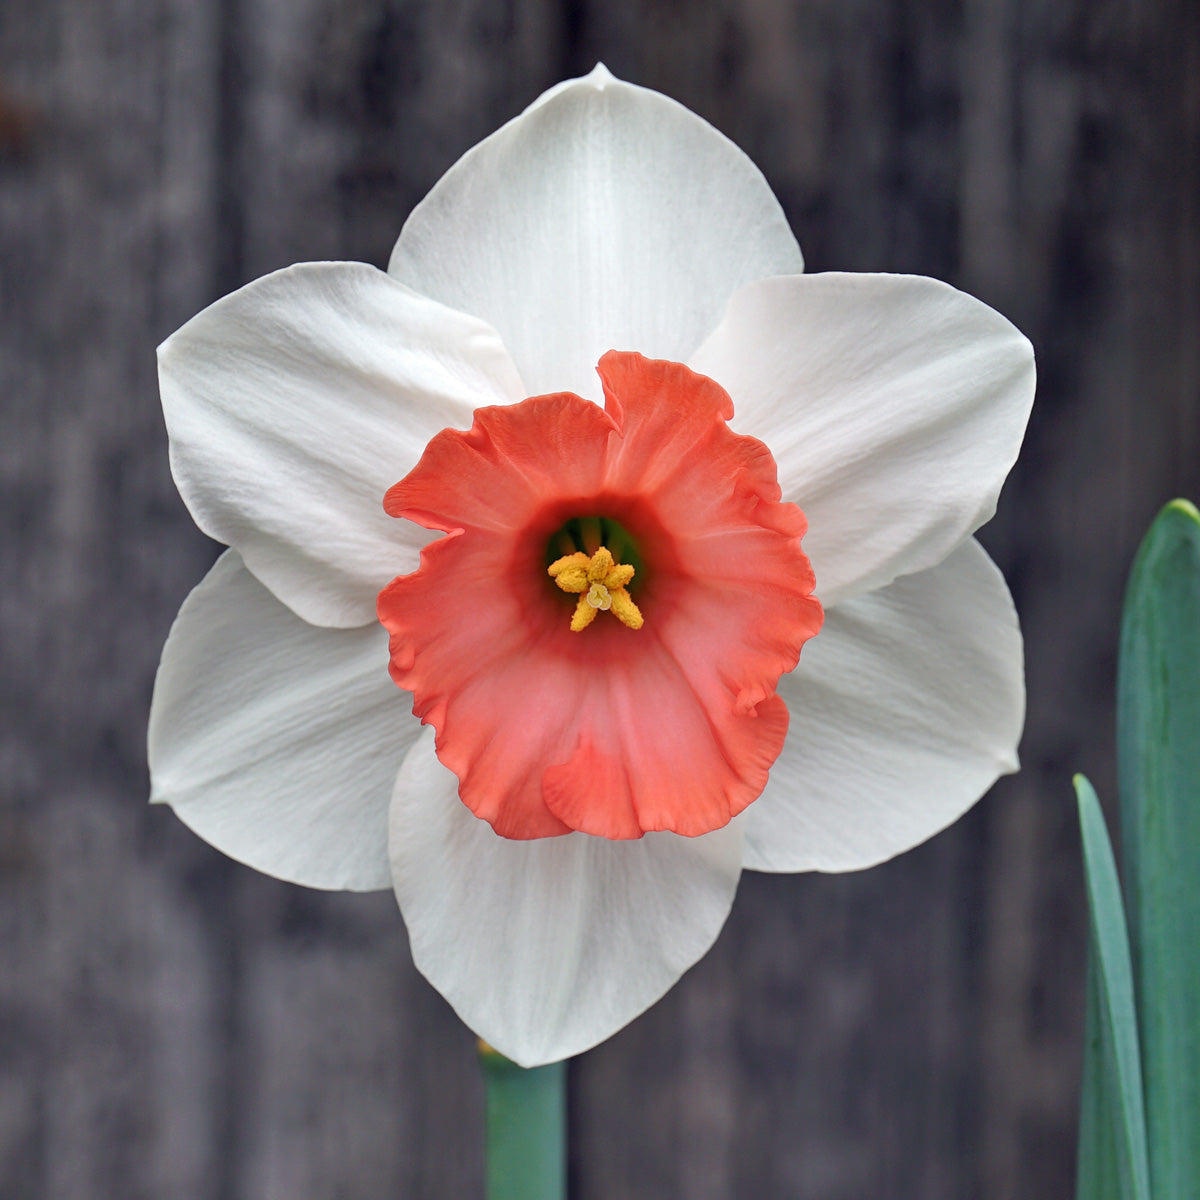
(572, 579)
(583, 615)
(624, 609)
(599, 582)
(601, 564)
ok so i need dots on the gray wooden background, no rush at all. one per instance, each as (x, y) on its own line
(175, 1026)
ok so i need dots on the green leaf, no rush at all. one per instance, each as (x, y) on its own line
(1097, 1174)
(1112, 1127)
(1158, 744)
(526, 1114)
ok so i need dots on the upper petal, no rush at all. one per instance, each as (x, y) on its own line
(604, 216)
(894, 406)
(294, 403)
(276, 741)
(545, 948)
(904, 712)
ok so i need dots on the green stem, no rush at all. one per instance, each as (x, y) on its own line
(526, 1128)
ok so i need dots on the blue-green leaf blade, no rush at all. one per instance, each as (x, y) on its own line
(1097, 1173)
(1113, 1163)
(1158, 743)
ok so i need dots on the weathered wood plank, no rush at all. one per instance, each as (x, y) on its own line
(115, 174)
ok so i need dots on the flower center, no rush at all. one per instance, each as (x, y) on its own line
(600, 582)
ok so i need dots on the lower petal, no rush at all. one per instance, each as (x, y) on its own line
(904, 712)
(277, 741)
(547, 947)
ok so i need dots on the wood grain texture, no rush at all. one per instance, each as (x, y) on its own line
(173, 1025)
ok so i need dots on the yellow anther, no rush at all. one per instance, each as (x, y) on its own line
(601, 564)
(624, 609)
(583, 616)
(618, 577)
(569, 563)
(572, 579)
(599, 582)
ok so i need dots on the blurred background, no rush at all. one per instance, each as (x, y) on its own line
(173, 1025)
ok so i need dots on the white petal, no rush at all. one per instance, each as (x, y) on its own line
(905, 709)
(277, 741)
(295, 403)
(894, 406)
(605, 216)
(547, 947)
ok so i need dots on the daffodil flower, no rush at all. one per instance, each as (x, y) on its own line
(567, 473)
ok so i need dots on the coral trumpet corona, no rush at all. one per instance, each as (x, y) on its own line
(610, 734)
